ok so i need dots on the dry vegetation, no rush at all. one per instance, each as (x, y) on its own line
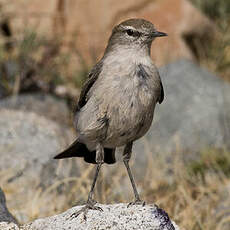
(44, 65)
(191, 193)
(216, 55)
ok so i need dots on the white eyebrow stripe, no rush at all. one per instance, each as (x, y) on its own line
(129, 28)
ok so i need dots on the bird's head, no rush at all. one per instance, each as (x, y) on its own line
(135, 33)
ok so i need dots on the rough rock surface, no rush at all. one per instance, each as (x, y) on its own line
(8, 226)
(87, 19)
(116, 216)
(194, 116)
(5, 215)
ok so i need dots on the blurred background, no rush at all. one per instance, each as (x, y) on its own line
(46, 51)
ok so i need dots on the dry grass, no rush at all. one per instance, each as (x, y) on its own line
(189, 196)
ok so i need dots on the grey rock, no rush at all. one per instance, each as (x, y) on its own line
(5, 215)
(8, 226)
(28, 140)
(116, 216)
(28, 143)
(42, 104)
(195, 114)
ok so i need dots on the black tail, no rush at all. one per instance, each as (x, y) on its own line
(78, 149)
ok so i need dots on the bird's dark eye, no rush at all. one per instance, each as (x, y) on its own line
(132, 33)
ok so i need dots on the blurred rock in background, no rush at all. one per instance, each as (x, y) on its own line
(28, 142)
(42, 104)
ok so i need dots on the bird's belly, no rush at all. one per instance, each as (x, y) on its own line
(127, 123)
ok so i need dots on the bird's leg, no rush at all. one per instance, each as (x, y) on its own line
(90, 204)
(126, 157)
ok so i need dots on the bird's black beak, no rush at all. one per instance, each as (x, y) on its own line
(159, 34)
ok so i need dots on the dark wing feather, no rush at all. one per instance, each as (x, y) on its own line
(161, 90)
(161, 97)
(93, 75)
(78, 149)
(143, 75)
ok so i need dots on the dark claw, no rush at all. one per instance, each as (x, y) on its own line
(136, 202)
(89, 205)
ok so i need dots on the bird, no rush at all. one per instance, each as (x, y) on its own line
(116, 104)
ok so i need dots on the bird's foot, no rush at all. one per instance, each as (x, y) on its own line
(136, 202)
(89, 205)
